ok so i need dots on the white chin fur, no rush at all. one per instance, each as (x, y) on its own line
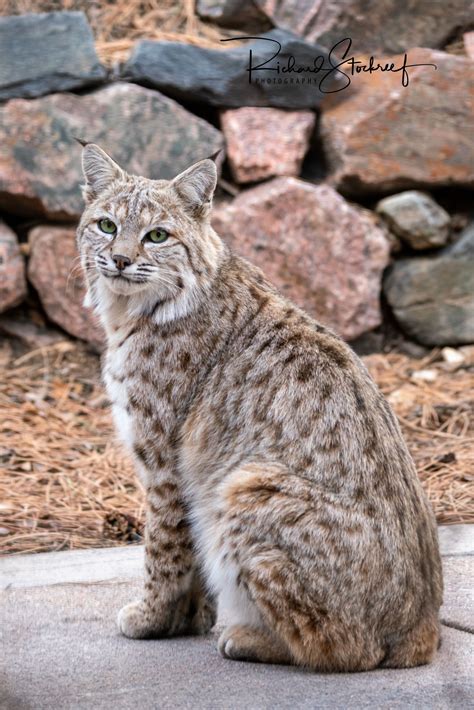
(123, 287)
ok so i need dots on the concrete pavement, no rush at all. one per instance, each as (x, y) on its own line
(61, 649)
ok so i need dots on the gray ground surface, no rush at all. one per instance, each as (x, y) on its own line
(61, 649)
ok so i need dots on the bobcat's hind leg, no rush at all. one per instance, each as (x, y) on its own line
(417, 648)
(245, 637)
(264, 515)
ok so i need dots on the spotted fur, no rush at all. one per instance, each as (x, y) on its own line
(277, 479)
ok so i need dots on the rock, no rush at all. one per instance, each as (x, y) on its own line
(368, 343)
(46, 52)
(377, 139)
(251, 135)
(33, 335)
(433, 299)
(12, 270)
(416, 218)
(430, 375)
(453, 359)
(463, 247)
(237, 14)
(147, 133)
(404, 398)
(410, 348)
(221, 78)
(383, 26)
(468, 39)
(320, 251)
(468, 355)
(54, 271)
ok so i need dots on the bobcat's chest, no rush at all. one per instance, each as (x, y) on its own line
(116, 375)
(140, 395)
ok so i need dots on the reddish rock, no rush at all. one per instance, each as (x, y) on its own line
(387, 137)
(55, 272)
(382, 26)
(40, 162)
(12, 270)
(322, 252)
(264, 142)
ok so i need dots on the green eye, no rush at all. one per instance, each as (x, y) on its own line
(157, 236)
(107, 226)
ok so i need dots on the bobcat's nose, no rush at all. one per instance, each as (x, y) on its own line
(121, 261)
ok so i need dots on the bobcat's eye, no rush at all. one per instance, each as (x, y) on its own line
(107, 226)
(157, 236)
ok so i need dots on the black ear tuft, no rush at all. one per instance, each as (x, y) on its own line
(80, 141)
(215, 155)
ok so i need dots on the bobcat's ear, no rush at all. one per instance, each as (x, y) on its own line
(99, 171)
(196, 186)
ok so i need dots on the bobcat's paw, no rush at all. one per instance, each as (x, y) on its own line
(237, 643)
(135, 622)
(245, 643)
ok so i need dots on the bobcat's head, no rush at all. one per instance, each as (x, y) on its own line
(146, 243)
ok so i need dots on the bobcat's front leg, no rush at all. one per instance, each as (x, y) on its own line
(174, 601)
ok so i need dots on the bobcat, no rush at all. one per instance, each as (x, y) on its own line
(276, 476)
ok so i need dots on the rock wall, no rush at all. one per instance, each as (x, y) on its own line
(355, 200)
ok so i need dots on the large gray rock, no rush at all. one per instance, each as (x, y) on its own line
(322, 252)
(238, 14)
(221, 78)
(147, 133)
(47, 52)
(12, 269)
(387, 137)
(382, 26)
(433, 299)
(416, 218)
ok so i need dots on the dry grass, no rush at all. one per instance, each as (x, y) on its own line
(437, 419)
(65, 482)
(117, 24)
